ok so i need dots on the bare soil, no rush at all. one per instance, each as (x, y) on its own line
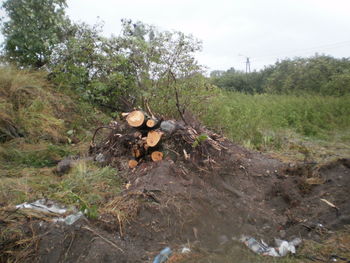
(204, 202)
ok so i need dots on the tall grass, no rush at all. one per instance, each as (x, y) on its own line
(259, 119)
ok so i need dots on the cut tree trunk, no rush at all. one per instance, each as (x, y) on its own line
(132, 164)
(151, 123)
(156, 156)
(136, 118)
(153, 138)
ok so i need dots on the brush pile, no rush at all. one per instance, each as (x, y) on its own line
(141, 137)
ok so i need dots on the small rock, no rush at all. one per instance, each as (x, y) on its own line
(168, 126)
(64, 166)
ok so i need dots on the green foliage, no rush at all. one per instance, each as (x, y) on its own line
(21, 155)
(259, 120)
(319, 74)
(30, 108)
(155, 54)
(200, 138)
(87, 185)
(92, 66)
(121, 72)
(32, 30)
(234, 80)
(26, 174)
(194, 93)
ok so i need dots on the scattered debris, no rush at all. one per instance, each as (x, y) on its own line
(282, 247)
(50, 207)
(330, 204)
(185, 250)
(103, 238)
(71, 219)
(163, 256)
(43, 205)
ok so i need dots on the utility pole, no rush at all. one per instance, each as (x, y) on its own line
(247, 66)
(247, 63)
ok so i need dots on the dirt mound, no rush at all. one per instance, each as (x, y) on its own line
(203, 198)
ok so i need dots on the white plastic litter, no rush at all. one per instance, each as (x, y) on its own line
(43, 205)
(71, 219)
(185, 250)
(49, 206)
(281, 249)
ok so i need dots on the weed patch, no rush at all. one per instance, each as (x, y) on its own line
(261, 121)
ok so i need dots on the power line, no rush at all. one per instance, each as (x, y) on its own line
(304, 50)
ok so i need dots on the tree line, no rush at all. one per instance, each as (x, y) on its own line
(319, 74)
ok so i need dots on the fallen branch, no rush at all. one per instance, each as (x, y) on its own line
(103, 238)
(330, 204)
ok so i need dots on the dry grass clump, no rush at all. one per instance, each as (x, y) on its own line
(18, 239)
(336, 246)
(26, 101)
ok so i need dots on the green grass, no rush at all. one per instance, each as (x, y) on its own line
(263, 121)
(19, 154)
(38, 126)
(87, 186)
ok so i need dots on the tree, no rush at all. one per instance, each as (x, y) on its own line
(159, 57)
(162, 60)
(32, 29)
(93, 66)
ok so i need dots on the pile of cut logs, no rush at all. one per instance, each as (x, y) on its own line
(147, 136)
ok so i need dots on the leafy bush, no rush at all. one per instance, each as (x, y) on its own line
(32, 30)
(121, 72)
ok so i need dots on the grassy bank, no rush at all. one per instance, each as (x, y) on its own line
(40, 126)
(268, 121)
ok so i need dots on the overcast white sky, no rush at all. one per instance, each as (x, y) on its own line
(263, 30)
(231, 30)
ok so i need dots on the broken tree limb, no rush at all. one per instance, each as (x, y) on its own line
(330, 204)
(153, 138)
(149, 109)
(103, 238)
